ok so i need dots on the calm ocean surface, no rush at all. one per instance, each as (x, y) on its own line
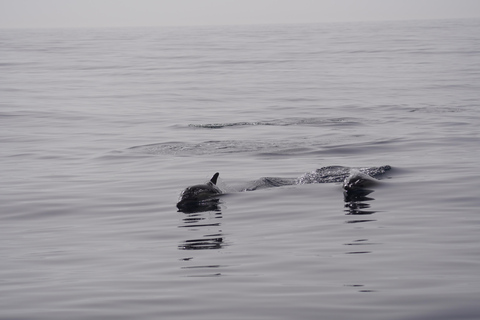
(101, 129)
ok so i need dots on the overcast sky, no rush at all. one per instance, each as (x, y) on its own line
(123, 13)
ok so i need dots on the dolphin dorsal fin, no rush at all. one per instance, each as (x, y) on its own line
(214, 178)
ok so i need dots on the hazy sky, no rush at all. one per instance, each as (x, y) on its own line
(120, 13)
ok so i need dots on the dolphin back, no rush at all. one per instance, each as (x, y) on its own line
(200, 194)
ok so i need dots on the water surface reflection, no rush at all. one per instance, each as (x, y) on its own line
(203, 222)
(356, 204)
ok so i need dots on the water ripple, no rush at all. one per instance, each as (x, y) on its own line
(281, 122)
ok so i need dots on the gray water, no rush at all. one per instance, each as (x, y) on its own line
(101, 130)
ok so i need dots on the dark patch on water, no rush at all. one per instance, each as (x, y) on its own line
(202, 244)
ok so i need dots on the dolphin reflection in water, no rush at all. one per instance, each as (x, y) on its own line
(356, 183)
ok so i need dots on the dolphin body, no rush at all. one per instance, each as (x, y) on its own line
(200, 194)
(358, 180)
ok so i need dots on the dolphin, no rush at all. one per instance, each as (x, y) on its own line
(359, 181)
(357, 184)
(199, 194)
